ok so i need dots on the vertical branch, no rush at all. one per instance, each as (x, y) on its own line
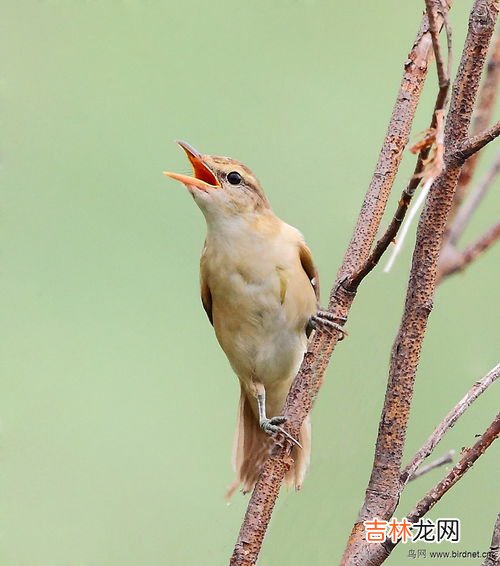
(384, 487)
(482, 119)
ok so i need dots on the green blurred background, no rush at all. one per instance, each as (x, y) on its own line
(117, 405)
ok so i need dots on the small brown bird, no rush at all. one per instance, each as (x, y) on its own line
(259, 288)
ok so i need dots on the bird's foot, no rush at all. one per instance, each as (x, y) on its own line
(327, 321)
(272, 426)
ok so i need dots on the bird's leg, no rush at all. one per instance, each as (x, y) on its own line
(267, 425)
(327, 320)
(271, 426)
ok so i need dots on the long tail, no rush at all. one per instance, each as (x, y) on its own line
(252, 446)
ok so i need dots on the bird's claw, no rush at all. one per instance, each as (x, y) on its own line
(327, 320)
(272, 426)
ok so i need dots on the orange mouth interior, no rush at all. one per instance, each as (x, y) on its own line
(201, 171)
(202, 178)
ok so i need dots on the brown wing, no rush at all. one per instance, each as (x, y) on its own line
(206, 295)
(307, 262)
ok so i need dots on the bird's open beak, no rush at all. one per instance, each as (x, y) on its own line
(202, 178)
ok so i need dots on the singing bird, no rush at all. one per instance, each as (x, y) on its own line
(260, 290)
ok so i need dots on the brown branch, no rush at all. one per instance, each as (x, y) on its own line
(310, 376)
(493, 558)
(448, 422)
(406, 196)
(437, 463)
(481, 120)
(454, 260)
(472, 145)
(384, 487)
(377, 553)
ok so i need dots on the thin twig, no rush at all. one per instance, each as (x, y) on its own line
(472, 145)
(448, 422)
(310, 376)
(443, 76)
(437, 463)
(445, 6)
(493, 558)
(458, 261)
(384, 488)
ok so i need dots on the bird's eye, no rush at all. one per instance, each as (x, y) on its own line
(234, 178)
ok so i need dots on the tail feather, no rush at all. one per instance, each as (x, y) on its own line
(252, 446)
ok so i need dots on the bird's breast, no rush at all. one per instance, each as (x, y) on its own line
(261, 302)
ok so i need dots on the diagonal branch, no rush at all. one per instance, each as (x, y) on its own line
(384, 487)
(457, 261)
(438, 462)
(448, 422)
(472, 145)
(310, 376)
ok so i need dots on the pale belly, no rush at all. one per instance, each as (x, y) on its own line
(263, 337)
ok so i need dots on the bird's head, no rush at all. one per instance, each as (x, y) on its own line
(222, 187)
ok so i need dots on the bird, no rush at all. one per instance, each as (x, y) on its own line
(260, 290)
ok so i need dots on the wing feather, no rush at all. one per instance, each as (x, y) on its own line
(206, 295)
(307, 262)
